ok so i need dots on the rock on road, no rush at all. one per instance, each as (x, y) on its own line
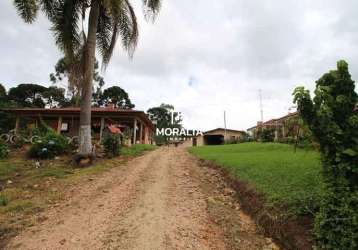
(156, 201)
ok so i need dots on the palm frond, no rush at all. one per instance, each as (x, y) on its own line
(151, 9)
(128, 28)
(27, 9)
(113, 6)
(120, 21)
(65, 26)
(105, 30)
(49, 7)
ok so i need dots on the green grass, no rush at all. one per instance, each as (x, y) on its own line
(136, 149)
(286, 178)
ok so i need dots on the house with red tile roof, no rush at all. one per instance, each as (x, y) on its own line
(66, 121)
(278, 125)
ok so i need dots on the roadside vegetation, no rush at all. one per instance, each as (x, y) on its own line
(286, 178)
(137, 149)
(332, 117)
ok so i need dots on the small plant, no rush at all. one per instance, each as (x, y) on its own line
(4, 151)
(49, 146)
(3, 200)
(112, 144)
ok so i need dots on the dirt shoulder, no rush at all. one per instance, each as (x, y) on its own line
(288, 231)
(161, 200)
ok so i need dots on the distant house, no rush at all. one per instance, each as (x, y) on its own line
(66, 121)
(218, 136)
(281, 126)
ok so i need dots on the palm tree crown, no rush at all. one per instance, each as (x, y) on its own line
(116, 19)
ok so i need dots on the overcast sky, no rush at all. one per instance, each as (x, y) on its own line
(206, 56)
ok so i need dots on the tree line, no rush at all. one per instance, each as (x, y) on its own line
(31, 95)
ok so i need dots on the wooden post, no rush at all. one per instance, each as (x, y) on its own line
(17, 125)
(101, 131)
(141, 133)
(135, 132)
(146, 135)
(59, 125)
(283, 131)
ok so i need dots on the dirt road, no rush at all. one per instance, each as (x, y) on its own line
(161, 200)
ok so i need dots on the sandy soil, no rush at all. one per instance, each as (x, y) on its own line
(161, 200)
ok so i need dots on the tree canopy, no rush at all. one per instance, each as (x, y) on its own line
(164, 117)
(117, 96)
(2, 91)
(63, 73)
(161, 115)
(28, 95)
(55, 97)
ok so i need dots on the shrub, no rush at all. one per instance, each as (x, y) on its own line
(267, 135)
(112, 144)
(49, 146)
(333, 121)
(336, 224)
(231, 141)
(4, 151)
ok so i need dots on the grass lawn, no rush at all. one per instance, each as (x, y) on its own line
(136, 149)
(286, 178)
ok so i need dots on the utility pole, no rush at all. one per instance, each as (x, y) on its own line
(261, 108)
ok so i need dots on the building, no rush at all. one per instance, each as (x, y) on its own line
(218, 136)
(281, 126)
(66, 121)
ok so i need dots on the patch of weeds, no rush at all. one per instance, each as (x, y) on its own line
(19, 206)
(137, 149)
(56, 172)
(7, 169)
(3, 200)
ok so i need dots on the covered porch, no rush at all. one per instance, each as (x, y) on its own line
(66, 121)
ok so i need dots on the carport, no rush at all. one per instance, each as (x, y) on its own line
(213, 139)
(217, 136)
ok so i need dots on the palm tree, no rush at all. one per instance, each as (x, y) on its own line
(107, 20)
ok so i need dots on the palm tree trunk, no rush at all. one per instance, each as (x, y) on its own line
(85, 147)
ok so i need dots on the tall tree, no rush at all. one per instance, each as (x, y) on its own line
(164, 117)
(6, 120)
(55, 97)
(28, 95)
(161, 115)
(107, 19)
(63, 72)
(2, 91)
(116, 96)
